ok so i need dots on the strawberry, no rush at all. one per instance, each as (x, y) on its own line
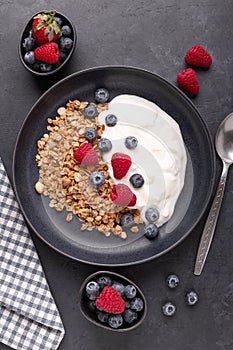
(45, 28)
(110, 301)
(120, 163)
(86, 155)
(198, 56)
(48, 53)
(187, 81)
(122, 195)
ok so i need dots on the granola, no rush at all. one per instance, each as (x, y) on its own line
(66, 182)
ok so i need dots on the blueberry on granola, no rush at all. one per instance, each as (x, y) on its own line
(101, 95)
(97, 178)
(90, 134)
(126, 220)
(110, 120)
(104, 145)
(90, 112)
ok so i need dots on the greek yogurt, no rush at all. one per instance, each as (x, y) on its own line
(160, 156)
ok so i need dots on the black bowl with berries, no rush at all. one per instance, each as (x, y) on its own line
(47, 42)
(112, 301)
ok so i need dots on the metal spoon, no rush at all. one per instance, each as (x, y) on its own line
(224, 148)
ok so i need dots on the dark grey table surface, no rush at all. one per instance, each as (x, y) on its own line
(154, 35)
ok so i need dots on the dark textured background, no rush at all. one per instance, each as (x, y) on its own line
(150, 34)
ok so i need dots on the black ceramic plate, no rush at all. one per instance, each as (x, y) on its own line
(92, 247)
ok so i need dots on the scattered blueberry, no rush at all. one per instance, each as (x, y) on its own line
(104, 145)
(130, 291)
(110, 120)
(104, 281)
(90, 134)
(130, 316)
(66, 30)
(90, 111)
(136, 180)
(126, 220)
(29, 57)
(191, 298)
(119, 287)
(172, 281)
(28, 43)
(152, 214)
(137, 304)
(91, 305)
(151, 231)
(45, 67)
(169, 309)
(66, 43)
(131, 142)
(92, 288)
(115, 321)
(58, 20)
(102, 316)
(97, 178)
(101, 95)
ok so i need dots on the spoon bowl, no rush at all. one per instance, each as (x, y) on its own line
(224, 148)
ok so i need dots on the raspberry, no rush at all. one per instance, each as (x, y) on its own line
(110, 301)
(120, 163)
(48, 53)
(122, 195)
(86, 155)
(198, 56)
(187, 81)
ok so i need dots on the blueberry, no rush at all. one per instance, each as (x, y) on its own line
(58, 20)
(169, 309)
(110, 120)
(127, 304)
(191, 298)
(36, 66)
(130, 316)
(90, 112)
(130, 291)
(126, 220)
(63, 56)
(104, 281)
(102, 316)
(29, 57)
(137, 304)
(152, 214)
(91, 305)
(172, 281)
(66, 43)
(92, 297)
(119, 287)
(101, 95)
(28, 43)
(90, 134)
(115, 321)
(104, 145)
(66, 30)
(131, 142)
(136, 180)
(151, 231)
(45, 67)
(92, 288)
(97, 178)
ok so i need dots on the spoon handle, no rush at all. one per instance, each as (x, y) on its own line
(210, 224)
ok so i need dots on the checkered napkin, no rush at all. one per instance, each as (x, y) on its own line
(29, 319)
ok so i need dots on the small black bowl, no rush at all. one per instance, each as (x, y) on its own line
(56, 67)
(91, 315)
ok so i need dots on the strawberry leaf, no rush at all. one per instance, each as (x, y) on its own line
(51, 35)
(39, 26)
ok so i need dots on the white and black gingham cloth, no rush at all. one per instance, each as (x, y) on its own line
(29, 319)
